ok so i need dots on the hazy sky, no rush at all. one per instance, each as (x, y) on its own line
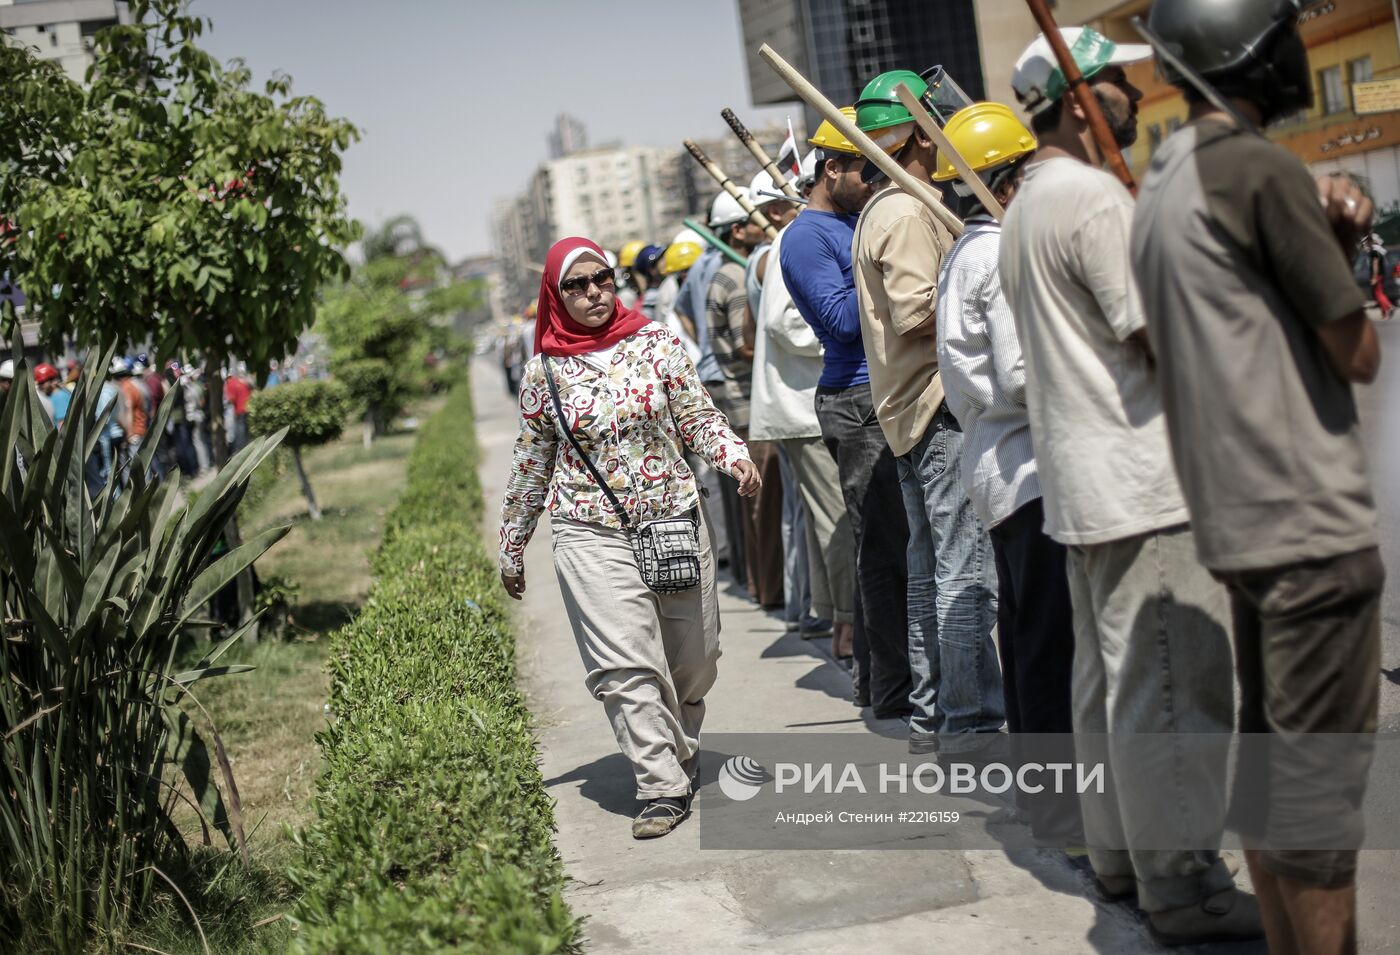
(455, 98)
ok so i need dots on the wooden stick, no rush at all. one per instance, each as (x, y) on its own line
(759, 153)
(725, 183)
(1074, 79)
(945, 146)
(812, 96)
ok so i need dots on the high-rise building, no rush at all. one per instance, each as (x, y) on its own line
(60, 30)
(612, 194)
(568, 136)
(840, 45)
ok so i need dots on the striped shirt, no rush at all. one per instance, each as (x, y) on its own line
(984, 376)
(726, 304)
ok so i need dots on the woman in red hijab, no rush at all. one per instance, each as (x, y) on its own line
(629, 395)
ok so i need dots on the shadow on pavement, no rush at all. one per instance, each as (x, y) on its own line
(607, 782)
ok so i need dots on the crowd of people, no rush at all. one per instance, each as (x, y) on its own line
(1092, 466)
(131, 394)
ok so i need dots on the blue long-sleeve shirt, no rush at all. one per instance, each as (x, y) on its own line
(816, 258)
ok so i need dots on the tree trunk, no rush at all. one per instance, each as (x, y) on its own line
(312, 508)
(218, 437)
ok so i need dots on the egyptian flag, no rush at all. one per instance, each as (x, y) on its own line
(789, 159)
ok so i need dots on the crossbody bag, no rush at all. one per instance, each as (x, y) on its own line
(668, 549)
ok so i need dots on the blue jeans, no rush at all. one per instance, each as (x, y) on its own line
(952, 596)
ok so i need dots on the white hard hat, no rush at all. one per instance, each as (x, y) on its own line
(611, 258)
(1037, 79)
(808, 168)
(688, 235)
(725, 210)
(763, 190)
(7, 369)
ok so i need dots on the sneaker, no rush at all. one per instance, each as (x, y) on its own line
(659, 816)
(1228, 916)
(815, 629)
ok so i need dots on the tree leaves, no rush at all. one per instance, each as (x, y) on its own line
(171, 190)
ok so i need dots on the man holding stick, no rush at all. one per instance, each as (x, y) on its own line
(756, 531)
(1152, 656)
(815, 256)
(948, 570)
(1260, 332)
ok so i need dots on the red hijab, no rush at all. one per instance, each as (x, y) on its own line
(558, 335)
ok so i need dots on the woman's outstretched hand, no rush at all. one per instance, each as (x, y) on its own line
(747, 476)
(515, 585)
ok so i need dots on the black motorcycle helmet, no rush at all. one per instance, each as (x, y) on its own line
(1245, 48)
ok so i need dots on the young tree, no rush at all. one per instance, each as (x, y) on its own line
(170, 200)
(381, 324)
(312, 412)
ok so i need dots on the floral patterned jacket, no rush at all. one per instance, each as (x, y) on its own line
(633, 420)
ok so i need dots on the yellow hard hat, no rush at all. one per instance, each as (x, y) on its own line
(826, 137)
(988, 135)
(679, 256)
(628, 253)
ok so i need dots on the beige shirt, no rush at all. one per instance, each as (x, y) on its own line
(895, 256)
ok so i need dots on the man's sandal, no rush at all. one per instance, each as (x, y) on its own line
(660, 816)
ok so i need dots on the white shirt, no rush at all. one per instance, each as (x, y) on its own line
(787, 363)
(665, 313)
(1096, 412)
(984, 376)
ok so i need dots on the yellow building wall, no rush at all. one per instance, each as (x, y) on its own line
(1336, 33)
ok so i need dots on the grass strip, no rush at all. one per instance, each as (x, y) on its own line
(433, 828)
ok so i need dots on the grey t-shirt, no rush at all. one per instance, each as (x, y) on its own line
(1238, 267)
(1096, 414)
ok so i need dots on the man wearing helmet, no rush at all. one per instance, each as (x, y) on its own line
(815, 255)
(54, 398)
(756, 533)
(984, 381)
(1152, 659)
(947, 580)
(1260, 332)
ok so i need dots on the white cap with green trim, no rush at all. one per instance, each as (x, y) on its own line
(1037, 78)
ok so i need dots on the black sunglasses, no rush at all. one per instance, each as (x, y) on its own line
(603, 278)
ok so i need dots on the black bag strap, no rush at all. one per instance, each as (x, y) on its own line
(588, 461)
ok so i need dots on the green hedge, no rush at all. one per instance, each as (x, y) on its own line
(433, 829)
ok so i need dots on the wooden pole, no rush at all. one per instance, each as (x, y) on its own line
(759, 153)
(922, 191)
(1074, 80)
(945, 146)
(727, 184)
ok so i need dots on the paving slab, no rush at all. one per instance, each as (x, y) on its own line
(669, 894)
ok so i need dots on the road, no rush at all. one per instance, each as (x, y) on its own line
(1378, 402)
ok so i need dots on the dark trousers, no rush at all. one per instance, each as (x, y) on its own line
(1035, 624)
(183, 440)
(875, 507)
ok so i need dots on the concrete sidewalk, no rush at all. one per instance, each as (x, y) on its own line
(667, 894)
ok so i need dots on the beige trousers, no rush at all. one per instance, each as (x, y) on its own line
(649, 658)
(831, 547)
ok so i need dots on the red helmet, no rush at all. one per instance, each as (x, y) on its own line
(44, 372)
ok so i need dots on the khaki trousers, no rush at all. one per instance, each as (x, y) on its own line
(649, 658)
(831, 547)
(1152, 660)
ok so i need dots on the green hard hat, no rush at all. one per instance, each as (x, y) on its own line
(879, 107)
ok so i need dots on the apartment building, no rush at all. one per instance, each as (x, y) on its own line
(60, 30)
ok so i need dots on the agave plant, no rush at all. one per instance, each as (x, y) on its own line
(98, 745)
